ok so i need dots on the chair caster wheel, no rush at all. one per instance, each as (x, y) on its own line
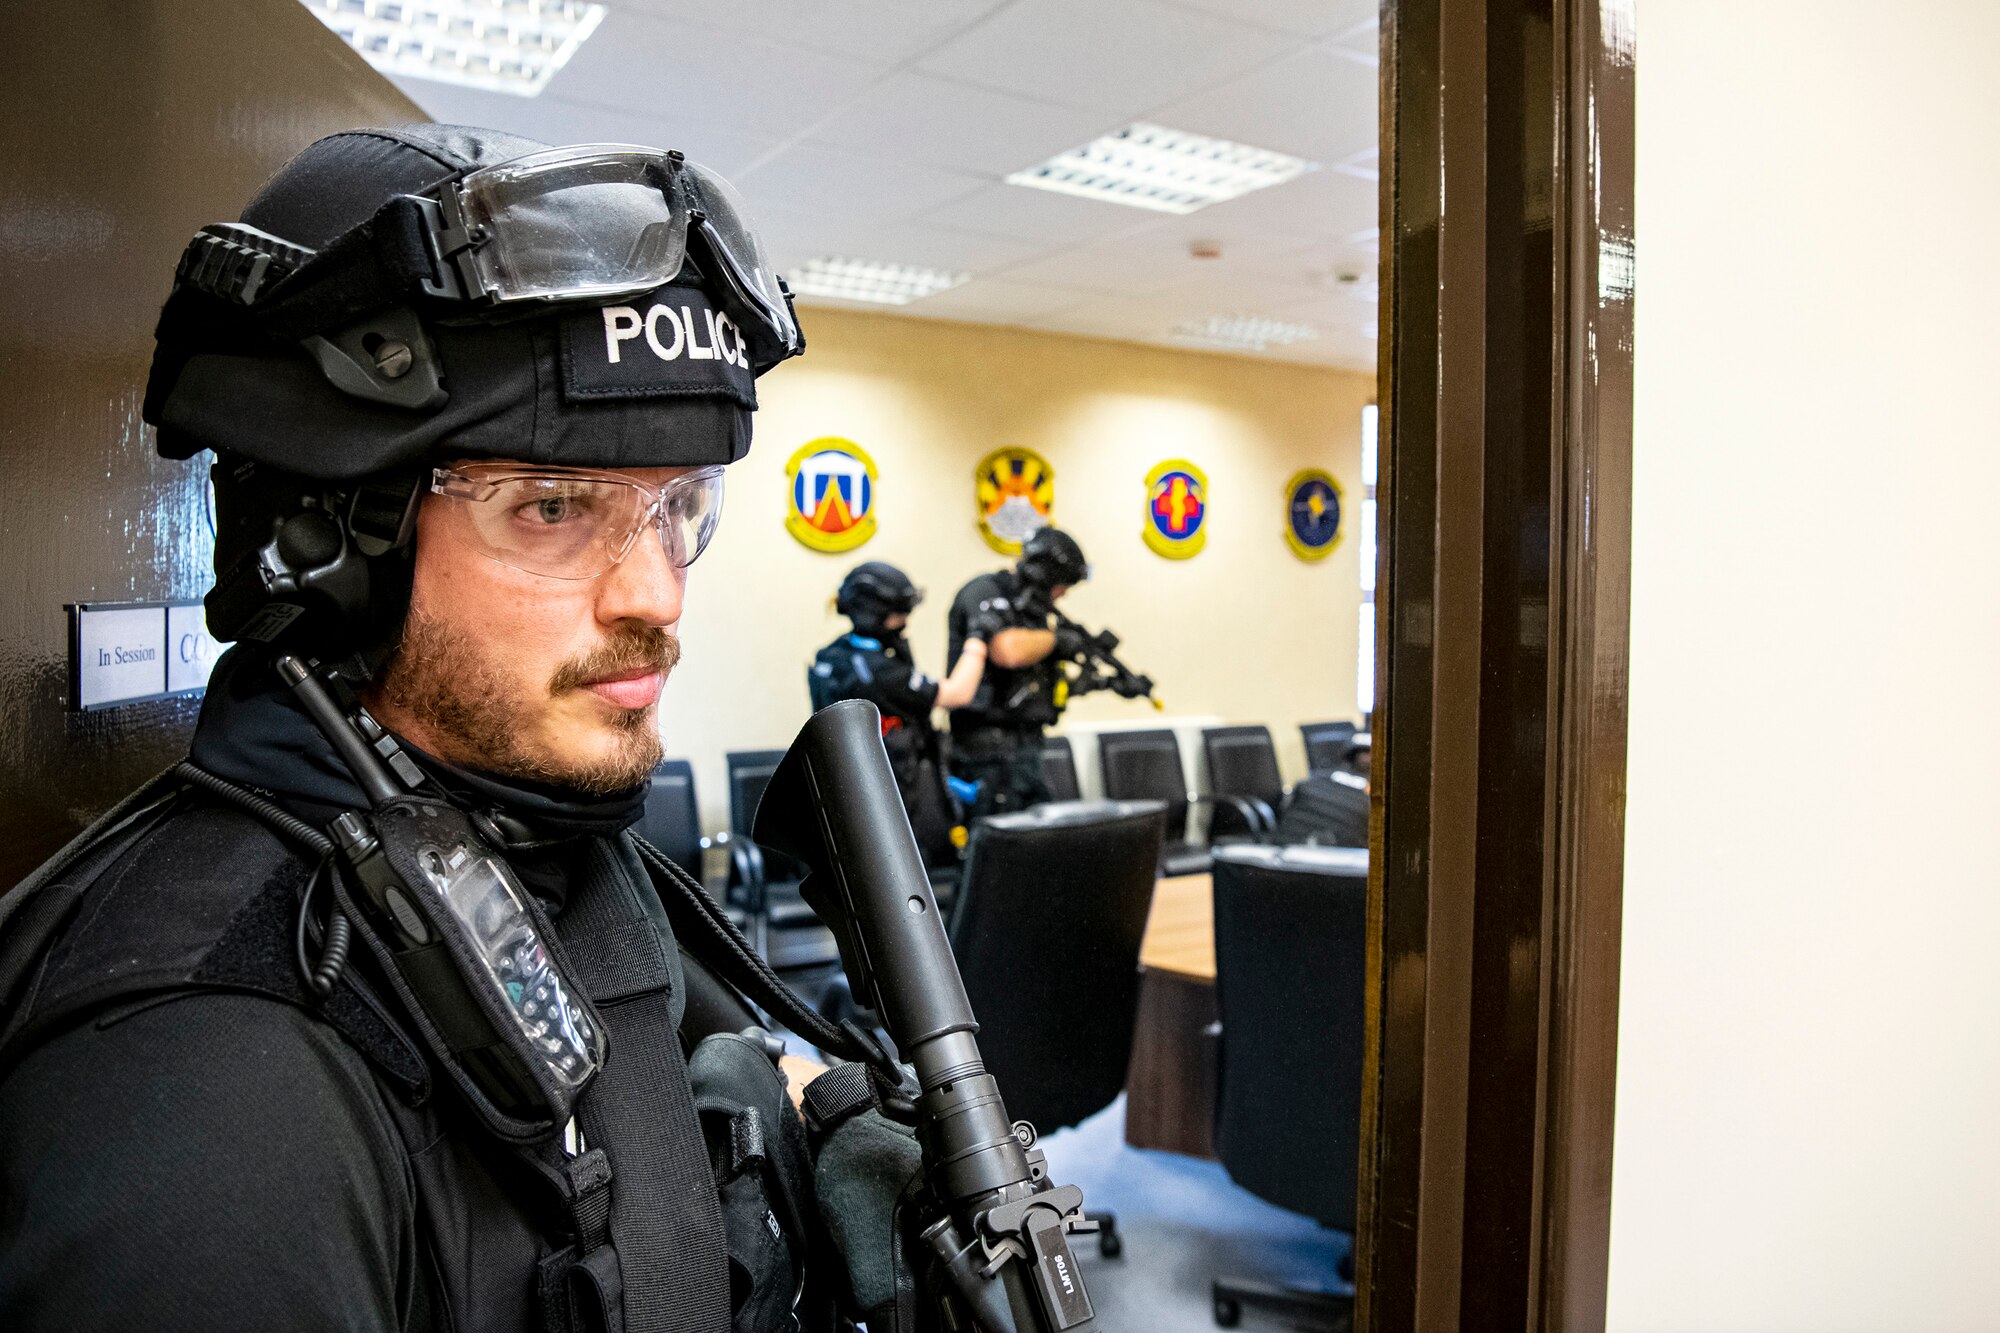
(1110, 1244)
(1228, 1313)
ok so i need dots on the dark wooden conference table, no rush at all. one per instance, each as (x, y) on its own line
(1170, 1084)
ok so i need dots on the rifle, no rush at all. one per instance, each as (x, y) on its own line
(994, 1229)
(1100, 667)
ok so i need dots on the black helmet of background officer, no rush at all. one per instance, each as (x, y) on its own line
(873, 594)
(331, 391)
(1052, 561)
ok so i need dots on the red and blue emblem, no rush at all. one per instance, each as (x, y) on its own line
(1176, 509)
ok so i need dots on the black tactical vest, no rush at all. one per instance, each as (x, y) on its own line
(199, 897)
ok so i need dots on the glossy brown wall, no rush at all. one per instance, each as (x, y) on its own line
(124, 126)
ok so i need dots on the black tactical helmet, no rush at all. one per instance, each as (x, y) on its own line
(873, 592)
(1051, 558)
(396, 297)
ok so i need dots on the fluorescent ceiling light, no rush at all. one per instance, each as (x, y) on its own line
(503, 46)
(1242, 332)
(1148, 166)
(871, 280)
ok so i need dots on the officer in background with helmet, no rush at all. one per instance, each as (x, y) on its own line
(997, 736)
(373, 1015)
(873, 661)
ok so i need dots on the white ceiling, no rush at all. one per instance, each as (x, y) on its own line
(881, 129)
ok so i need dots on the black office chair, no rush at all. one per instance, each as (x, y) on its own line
(1290, 953)
(1243, 763)
(786, 931)
(1327, 744)
(672, 823)
(1059, 765)
(1047, 930)
(1146, 766)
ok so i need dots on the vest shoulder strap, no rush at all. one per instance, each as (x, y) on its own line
(172, 893)
(35, 911)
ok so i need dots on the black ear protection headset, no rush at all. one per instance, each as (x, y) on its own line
(317, 566)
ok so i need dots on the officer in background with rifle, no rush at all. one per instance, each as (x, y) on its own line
(997, 738)
(874, 662)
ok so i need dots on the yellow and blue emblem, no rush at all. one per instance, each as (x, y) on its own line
(832, 494)
(1176, 509)
(1312, 514)
(1016, 493)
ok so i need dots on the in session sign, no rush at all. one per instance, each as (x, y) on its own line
(127, 654)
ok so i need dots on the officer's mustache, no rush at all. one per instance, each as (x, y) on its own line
(631, 649)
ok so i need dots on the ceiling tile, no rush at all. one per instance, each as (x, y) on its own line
(1119, 57)
(1119, 317)
(793, 238)
(1309, 18)
(1157, 261)
(844, 188)
(1332, 304)
(697, 77)
(999, 301)
(1326, 206)
(944, 122)
(1363, 41)
(891, 31)
(557, 120)
(1052, 220)
(1316, 104)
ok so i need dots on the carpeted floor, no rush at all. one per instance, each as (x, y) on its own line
(1183, 1223)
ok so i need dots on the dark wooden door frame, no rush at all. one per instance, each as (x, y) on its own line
(1501, 637)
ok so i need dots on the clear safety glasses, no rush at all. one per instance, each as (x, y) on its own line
(599, 221)
(576, 523)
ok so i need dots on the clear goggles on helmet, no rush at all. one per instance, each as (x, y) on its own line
(588, 223)
(576, 523)
(599, 221)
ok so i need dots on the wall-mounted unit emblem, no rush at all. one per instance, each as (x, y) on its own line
(1176, 509)
(1016, 493)
(1312, 514)
(832, 494)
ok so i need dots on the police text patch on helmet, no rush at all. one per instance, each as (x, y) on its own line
(668, 343)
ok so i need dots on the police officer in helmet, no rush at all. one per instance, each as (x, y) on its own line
(874, 662)
(375, 1016)
(997, 736)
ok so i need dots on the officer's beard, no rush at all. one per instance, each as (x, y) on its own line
(442, 678)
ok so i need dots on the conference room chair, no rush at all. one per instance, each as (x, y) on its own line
(1290, 950)
(1243, 763)
(765, 884)
(1050, 915)
(1327, 744)
(672, 822)
(1059, 764)
(1146, 766)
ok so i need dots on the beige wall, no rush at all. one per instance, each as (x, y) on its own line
(1808, 1130)
(1244, 630)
